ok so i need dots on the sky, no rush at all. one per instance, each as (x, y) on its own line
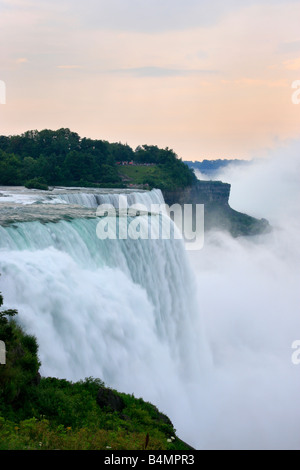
(207, 79)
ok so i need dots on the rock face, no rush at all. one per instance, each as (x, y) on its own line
(217, 212)
(202, 192)
(108, 399)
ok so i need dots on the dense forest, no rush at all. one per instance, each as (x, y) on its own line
(63, 158)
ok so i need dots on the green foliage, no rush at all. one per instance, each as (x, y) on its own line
(59, 414)
(57, 158)
(33, 434)
(50, 413)
(164, 177)
(172, 173)
(61, 158)
(37, 183)
(22, 363)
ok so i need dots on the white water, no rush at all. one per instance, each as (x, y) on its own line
(250, 298)
(120, 310)
(206, 336)
(93, 200)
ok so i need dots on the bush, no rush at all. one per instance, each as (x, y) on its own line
(37, 183)
(22, 363)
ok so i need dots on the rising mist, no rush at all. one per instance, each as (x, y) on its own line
(249, 299)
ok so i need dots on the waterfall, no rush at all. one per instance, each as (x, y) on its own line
(204, 335)
(93, 200)
(120, 310)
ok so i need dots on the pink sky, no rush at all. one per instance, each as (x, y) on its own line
(206, 80)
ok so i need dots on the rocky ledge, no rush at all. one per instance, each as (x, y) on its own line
(217, 212)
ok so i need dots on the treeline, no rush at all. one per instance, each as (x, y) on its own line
(63, 158)
(207, 166)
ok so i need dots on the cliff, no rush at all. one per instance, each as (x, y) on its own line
(217, 212)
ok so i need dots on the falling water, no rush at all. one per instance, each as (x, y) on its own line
(120, 310)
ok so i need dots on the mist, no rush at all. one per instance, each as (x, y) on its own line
(267, 186)
(248, 298)
(219, 365)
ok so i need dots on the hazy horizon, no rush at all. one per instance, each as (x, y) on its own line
(207, 80)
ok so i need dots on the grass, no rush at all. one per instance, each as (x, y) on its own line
(139, 173)
(35, 434)
(155, 176)
(58, 414)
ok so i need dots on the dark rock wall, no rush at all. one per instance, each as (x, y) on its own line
(217, 212)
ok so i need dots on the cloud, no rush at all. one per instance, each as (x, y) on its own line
(153, 72)
(163, 72)
(133, 15)
(289, 47)
(293, 64)
(255, 82)
(6, 4)
(22, 60)
(158, 15)
(69, 67)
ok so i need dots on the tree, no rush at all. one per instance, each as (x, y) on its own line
(22, 363)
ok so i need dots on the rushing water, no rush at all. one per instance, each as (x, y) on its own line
(120, 310)
(206, 336)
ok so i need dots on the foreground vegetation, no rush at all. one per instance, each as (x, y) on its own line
(156, 176)
(47, 413)
(38, 159)
(66, 416)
